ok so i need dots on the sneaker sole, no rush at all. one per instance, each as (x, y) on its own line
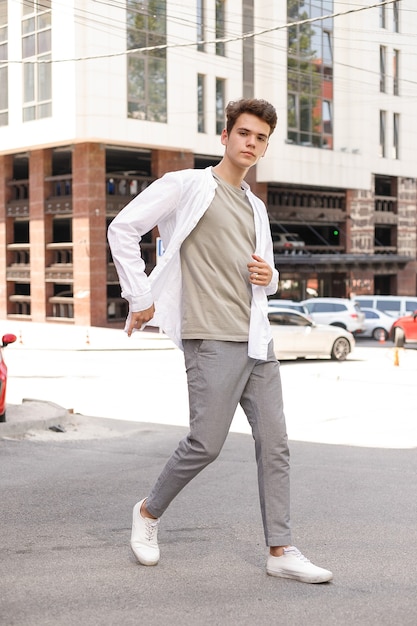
(142, 561)
(300, 577)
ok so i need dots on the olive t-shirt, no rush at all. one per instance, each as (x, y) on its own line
(215, 279)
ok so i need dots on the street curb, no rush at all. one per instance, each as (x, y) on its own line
(32, 414)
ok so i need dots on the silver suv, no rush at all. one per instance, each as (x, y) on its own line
(337, 312)
(288, 243)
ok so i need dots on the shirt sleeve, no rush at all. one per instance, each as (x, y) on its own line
(125, 232)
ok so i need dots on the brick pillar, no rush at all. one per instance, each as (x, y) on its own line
(89, 234)
(360, 212)
(360, 236)
(40, 166)
(164, 161)
(6, 228)
(259, 189)
(407, 231)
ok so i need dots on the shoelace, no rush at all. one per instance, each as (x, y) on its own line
(296, 552)
(151, 529)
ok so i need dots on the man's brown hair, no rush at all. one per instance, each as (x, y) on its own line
(261, 108)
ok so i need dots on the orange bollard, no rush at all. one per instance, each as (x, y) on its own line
(396, 357)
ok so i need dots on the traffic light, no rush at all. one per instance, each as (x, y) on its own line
(334, 235)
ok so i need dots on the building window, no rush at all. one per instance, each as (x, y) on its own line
(201, 27)
(220, 27)
(396, 136)
(382, 15)
(248, 52)
(396, 17)
(35, 6)
(36, 51)
(382, 68)
(220, 104)
(201, 97)
(147, 71)
(327, 118)
(396, 73)
(382, 127)
(310, 74)
(4, 84)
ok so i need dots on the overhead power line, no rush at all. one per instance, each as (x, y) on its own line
(241, 37)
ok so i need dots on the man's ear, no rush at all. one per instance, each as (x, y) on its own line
(224, 137)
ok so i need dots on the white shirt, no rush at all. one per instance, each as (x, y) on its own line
(175, 203)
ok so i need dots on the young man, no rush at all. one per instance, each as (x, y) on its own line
(209, 294)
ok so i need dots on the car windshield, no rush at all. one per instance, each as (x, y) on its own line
(288, 318)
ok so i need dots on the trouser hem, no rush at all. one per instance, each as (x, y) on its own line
(279, 541)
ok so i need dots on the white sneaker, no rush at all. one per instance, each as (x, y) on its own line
(293, 564)
(144, 539)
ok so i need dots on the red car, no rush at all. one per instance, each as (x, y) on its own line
(3, 376)
(404, 329)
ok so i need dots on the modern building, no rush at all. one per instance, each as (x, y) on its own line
(98, 98)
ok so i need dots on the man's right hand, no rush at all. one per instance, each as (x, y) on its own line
(139, 318)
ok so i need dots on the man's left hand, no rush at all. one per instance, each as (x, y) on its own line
(260, 273)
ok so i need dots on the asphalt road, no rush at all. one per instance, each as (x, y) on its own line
(66, 514)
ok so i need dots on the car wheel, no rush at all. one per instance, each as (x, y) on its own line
(3, 417)
(340, 349)
(380, 334)
(399, 337)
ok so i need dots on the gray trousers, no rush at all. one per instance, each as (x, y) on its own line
(220, 376)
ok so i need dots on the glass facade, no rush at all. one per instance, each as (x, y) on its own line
(310, 74)
(395, 73)
(382, 68)
(382, 133)
(248, 49)
(201, 124)
(147, 70)
(200, 25)
(220, 104)
(4, 83)
(37, 68)
(220, 27)
(396, 136)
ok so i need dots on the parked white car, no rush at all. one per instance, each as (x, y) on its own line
(377, 324)
(295, 336)
(395, 306)
(281, 303)
(341, 312)
(288, 243)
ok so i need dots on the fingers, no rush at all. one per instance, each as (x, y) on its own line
(259, 278)
(139, 318)
(260, 272)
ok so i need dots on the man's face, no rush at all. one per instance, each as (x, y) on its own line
(247, 141)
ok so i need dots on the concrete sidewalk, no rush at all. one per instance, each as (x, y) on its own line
(55, 336)
(57, 370)
(32, 415)
(40, 413)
